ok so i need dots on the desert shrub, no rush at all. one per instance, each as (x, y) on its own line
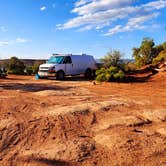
(140, 62)
(103, 75)
(128, 67)
(16, 66)
(131, 66)
(28, 70)
(100, 71)
(123, 67)
(159, 58)
(146, 52)
(119, 76)
(112, 58)
(113, 70)
(164, 46)
(35, 67)
(109, 74)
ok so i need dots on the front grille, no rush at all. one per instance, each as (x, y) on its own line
(44, 68)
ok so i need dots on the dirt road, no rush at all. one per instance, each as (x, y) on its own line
(78, 123)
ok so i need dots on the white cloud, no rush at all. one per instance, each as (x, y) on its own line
(141, 19)
(99, 5)
(82, 2)
(133, 24)
(43, 8)
(98, 19)
(88, 27)
(155, 5)
(97, 14)
(18, 40)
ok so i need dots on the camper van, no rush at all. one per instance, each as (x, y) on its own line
(61, 65)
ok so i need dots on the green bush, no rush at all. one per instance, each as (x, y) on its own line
(103, 75)
(35, 67)
(28, 70)
(119, 76)
(128, 67)
(16, 66)
(139, 63)
(100, 71)
(159, 58)
(112, 58)
(113, 70)
(109, 74)
(15, 71)
(144, 54)
(149, 53)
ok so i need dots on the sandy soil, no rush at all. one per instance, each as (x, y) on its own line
(81, 123)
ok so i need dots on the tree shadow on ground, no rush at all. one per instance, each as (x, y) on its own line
(30, 87)
(144, 75)
(134, 79)
(144, 70)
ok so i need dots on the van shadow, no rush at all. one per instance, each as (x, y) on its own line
(77, 78)
(29, 87)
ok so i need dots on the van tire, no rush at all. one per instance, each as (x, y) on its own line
(60, 75)
(88, 73)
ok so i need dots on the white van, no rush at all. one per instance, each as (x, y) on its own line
(61, 65)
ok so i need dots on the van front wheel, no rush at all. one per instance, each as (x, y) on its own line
(60, 75)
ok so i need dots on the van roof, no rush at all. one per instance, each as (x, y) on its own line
(55, 54)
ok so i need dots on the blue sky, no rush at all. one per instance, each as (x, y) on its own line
(38, 28)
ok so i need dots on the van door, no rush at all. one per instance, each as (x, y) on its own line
(69, 66)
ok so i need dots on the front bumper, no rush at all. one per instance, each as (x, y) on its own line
(46, 74)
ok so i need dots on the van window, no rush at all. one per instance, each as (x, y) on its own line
(67, 60)
(55, 59)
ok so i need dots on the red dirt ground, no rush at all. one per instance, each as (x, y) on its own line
(81, 123)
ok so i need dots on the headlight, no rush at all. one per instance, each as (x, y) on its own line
(51, 69)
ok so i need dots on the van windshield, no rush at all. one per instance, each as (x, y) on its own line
(56, 59)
